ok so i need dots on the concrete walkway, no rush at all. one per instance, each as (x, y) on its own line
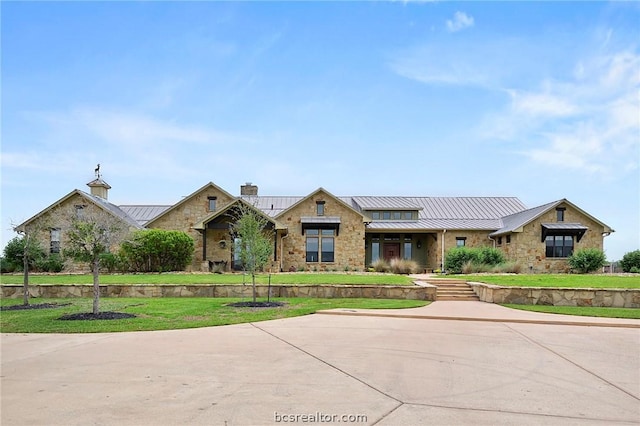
(396, 369)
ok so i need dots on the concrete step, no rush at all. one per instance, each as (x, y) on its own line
(448, 289)
(458, 298)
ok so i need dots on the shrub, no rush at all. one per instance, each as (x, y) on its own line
(158, 250)
(381, 265)
(7, 266)
(403, 266)
(456, 258)
(631, 262)
(113, 262)
(587, 260)
(490, 256)
(51, 263)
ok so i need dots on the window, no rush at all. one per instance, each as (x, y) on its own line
(212, 203)
(375, 215)
(375, 249)
(320, 245)
(461, 241)
(508, 239)
(408, 215)
(559, 245)
(55, 241)
(79, 211)
(386, 215)
(407, 247)
(499, 241)
(320, 208)
(397, 215)
(560, 214)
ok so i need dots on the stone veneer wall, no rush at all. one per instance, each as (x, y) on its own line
(349, 244)
(14, 291)
(527, 248)
(596, 297)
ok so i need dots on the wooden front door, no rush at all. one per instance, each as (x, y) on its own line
(391, 251)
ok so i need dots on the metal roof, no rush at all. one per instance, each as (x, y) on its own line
(514, 221)
(143, 214)
(435, 224)
(385, 203)
(564, 226)
(320, 219)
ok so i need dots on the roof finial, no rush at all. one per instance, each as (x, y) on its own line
(97, 171)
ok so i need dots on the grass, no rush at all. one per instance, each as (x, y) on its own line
(632, 313)
(558, 280)
(182, 278)
(170, 313)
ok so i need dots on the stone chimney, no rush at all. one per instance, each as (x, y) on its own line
(99, 188)
(248, 189)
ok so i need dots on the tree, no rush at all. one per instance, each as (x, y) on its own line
(29, 251)
(90, 235)
(631, 261)
(255, 240)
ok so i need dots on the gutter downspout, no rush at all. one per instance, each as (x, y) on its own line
(494, 241)
(444, 231)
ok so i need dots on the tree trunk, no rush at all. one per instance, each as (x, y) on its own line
(25, 283)
(96, 287)
(253, 279)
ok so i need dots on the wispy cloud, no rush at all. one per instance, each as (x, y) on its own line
(589, 123)
(459, 22)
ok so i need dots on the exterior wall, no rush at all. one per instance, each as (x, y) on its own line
(527, 248)
(190, 212)
(349, 244)
(60, 217)
(473, 239)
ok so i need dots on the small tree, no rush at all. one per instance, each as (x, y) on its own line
(89, 236)
(631, 261)
(256, 240)
(29, 251)
(587, 260)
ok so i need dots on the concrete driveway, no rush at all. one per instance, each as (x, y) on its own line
(353, 368)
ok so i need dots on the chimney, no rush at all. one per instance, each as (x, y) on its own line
(248, 189)
(99, 188)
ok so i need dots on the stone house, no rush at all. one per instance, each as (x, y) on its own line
(321, 231)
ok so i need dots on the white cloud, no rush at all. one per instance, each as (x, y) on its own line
(459, 22)
(589, 123)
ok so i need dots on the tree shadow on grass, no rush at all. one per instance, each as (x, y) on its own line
(37, 306)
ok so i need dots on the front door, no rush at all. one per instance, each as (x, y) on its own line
(391, 251)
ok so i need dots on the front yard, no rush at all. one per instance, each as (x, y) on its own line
(558, 280)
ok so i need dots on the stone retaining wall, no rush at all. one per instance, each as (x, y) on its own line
(320, 291)
(596, 297)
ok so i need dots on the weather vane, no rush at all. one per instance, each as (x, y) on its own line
(97, 171)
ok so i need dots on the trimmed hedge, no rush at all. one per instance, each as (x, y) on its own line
(157, 250)
(456, 258)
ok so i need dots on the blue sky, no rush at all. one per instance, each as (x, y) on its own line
(536, 100)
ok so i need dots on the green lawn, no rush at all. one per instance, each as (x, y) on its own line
(558, 280)
(170, 313)
(581, 311)
(183, 278)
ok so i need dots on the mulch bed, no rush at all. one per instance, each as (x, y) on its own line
(256, 304)
(99, 316)
(37, 306)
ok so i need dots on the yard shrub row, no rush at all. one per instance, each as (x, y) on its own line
(464, 257)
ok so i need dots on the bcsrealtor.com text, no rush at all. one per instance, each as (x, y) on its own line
(318, 417)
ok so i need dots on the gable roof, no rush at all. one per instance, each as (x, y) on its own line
(516, 221)
(189, 197)
(203, 223)
(317, 191)
(99, 202)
